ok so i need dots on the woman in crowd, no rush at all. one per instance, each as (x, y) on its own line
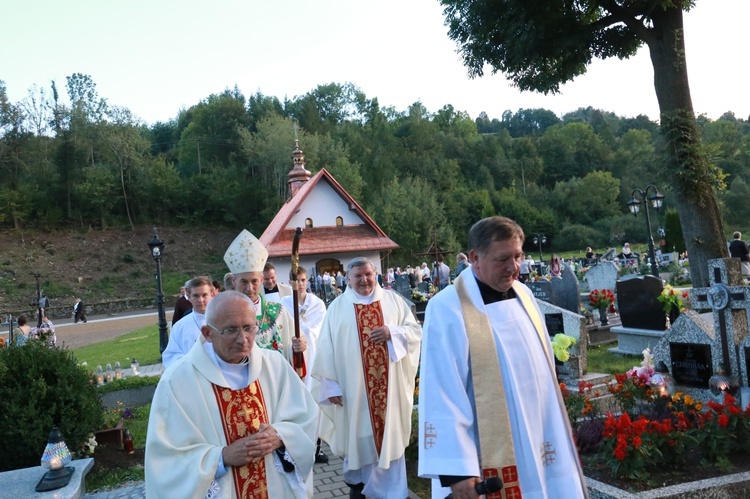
(555, 266)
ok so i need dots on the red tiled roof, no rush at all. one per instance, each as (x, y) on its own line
(320, 240)
(324, 240)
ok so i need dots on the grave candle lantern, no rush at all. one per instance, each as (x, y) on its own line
(55, 458)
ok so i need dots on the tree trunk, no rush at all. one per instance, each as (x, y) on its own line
(685, 163)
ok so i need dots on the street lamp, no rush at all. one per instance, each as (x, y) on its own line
(634, 205)
(540, 239)
(38, 300)
(157, 245)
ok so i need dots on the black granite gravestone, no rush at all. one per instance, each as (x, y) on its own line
(554, 324)
(424, 287)
(691, 364)
(638, 304)
(542, 290)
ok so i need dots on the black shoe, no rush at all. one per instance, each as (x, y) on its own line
(355, 491)
(321, 458)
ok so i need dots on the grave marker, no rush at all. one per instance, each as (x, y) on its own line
(638, 304)
(602, 276)
(728, 299)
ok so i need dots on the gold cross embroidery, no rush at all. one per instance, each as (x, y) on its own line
(548, 453)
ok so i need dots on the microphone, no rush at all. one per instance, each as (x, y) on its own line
(489, 486)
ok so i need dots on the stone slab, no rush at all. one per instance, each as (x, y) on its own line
(633, 341)
(21, 483)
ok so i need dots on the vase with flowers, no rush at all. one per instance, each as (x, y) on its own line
(673, 302)
(602, 300)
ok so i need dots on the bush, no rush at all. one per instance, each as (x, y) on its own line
(41, 388)
(577, 237)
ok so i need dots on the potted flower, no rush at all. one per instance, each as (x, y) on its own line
(602, 299)
(561, 344)
(672, 301)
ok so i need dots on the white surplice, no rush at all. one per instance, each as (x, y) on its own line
(183, 336)
(338, 366)
(312, 311)
(185, 434)
(448, 442)
(277, 296)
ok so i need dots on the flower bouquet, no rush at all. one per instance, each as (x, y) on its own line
(601, 298)
(418, 296)
(561, 344)
(672, 299)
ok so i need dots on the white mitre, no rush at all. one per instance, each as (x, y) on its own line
(246, 254)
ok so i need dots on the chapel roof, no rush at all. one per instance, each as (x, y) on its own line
(277, 238)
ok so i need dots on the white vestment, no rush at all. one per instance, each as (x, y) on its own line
(186, 437)
(338, 367)
(183, 336)
(312, 310)
(448, 441)
(277, 296)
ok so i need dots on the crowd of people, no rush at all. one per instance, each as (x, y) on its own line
(248, 395)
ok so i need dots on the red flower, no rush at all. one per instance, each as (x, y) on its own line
(275, 345)
(621, 450)
(723, 420)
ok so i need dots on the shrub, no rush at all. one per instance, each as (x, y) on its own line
(577, 237)
(41, 388)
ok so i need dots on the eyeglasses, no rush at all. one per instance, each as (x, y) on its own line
(234, 331)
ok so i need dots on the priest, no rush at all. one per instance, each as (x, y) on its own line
(366, 361)
(230, 420)
(273, 290)
(489, 402)
(246, 258)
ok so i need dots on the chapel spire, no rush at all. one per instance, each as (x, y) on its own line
(298, 174)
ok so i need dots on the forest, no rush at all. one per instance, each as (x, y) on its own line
(71, 159)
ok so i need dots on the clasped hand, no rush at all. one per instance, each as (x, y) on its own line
(380, 334)
(252, 448)
(299, 345)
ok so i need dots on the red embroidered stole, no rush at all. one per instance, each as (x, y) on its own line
(242, 411)
(375, 362)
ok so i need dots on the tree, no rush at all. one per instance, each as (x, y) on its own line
(540, 45)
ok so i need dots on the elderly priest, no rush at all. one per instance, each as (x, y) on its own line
(230, 419)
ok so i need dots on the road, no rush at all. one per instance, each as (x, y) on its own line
(100, 328)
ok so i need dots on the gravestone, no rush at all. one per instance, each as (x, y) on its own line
(542, 290)
(638, 304)
(559, 320)
(692, 350)
(401, 286)
(609, 255)
(728, 299)
(692, 340)
(424, 287)
(565, 290)
(602, 276)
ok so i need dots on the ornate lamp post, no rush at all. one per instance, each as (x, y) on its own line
(38, 300)
(157, 245)
(634, 205)
(540, 239)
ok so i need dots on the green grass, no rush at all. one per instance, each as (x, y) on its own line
(600, 360)
(142, 344)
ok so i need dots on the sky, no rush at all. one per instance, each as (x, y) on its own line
(156, 57)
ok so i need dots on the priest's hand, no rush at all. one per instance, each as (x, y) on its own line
(336, 400)
(299, 345)
(380, 334)
(253, 448)
(465, 488)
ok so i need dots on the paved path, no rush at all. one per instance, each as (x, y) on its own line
(328, 479)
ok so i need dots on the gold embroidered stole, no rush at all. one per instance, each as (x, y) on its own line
(242, 411)
(375, 363)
